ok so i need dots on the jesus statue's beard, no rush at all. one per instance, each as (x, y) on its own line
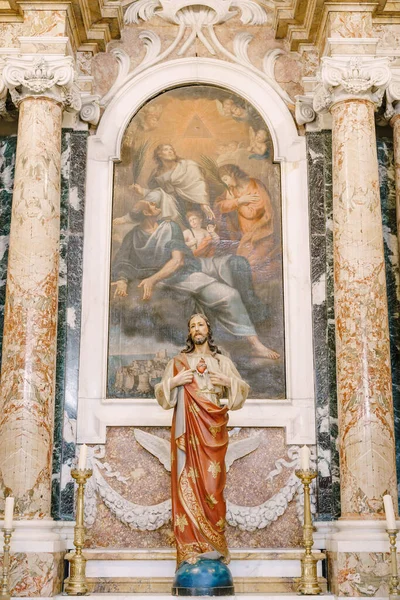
(199, 341)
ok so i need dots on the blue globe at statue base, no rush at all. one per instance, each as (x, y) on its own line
(207, 577)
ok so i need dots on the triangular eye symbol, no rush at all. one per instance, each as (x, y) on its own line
(197, 129)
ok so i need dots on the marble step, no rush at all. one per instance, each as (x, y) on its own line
(237, 596)
(265, 571)
(170, 554)
(127, 563)
(163, 585)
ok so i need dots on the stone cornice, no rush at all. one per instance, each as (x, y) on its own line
(305, 21)
(38, 76)
(351, 78)
(91, 24)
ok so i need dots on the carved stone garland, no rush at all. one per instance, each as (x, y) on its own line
(149, 518)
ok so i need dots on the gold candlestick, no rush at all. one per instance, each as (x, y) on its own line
(5, 581)
(394, 578)
(309, 580)
(75, 584)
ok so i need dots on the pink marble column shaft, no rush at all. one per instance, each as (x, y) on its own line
(30, 325)
(366, 426)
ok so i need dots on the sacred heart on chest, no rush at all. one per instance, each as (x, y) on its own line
(201, 367)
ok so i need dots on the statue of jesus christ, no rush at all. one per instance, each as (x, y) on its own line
(193, 384)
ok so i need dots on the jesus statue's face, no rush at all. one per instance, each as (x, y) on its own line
(198, 330)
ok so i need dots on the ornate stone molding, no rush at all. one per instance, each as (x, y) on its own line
(197, 14)
(90, 111)
(200, 18)
(36, 76)
(393, 98)
(304, 111)
(5, 113)
(3, 99)
(354, 78)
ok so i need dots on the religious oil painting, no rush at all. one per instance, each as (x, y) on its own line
(196, 229)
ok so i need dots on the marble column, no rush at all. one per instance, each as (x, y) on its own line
(351, 89)
(40, 88)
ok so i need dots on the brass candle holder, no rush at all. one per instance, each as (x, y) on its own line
(76, 584)
(309, 580)
(5, 577)
(394, 578)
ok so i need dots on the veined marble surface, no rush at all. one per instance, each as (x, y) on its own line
(321, 238)
(36, 574)
(8, 146)
(73, 174)
(30, 322)
(319, 154)
(362, 333)
(391, 248)
(73, 162)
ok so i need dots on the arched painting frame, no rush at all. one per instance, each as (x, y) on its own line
(96, 410)
(202, 157)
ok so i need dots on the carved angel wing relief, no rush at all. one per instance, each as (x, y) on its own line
(157, 446)
(161, 449)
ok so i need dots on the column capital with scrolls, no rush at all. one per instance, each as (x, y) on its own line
(344, 78)
(37, 76)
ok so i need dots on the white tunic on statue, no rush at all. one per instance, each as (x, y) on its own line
(236, 394)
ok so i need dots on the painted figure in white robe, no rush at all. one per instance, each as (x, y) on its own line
(175, 185)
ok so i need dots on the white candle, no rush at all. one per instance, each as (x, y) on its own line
(389, 511)
(305, 458)
(9, 513)
(82, 458)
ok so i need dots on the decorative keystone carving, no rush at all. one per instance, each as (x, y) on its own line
(197, 16)
(42, 77)
(358, 78)
(304, 111)
(177, 11)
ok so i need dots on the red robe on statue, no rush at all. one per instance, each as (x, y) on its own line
(199, 441)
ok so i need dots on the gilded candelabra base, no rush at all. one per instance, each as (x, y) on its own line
(308, 583)
(76, 584)
(5, 578)
(394, 587)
